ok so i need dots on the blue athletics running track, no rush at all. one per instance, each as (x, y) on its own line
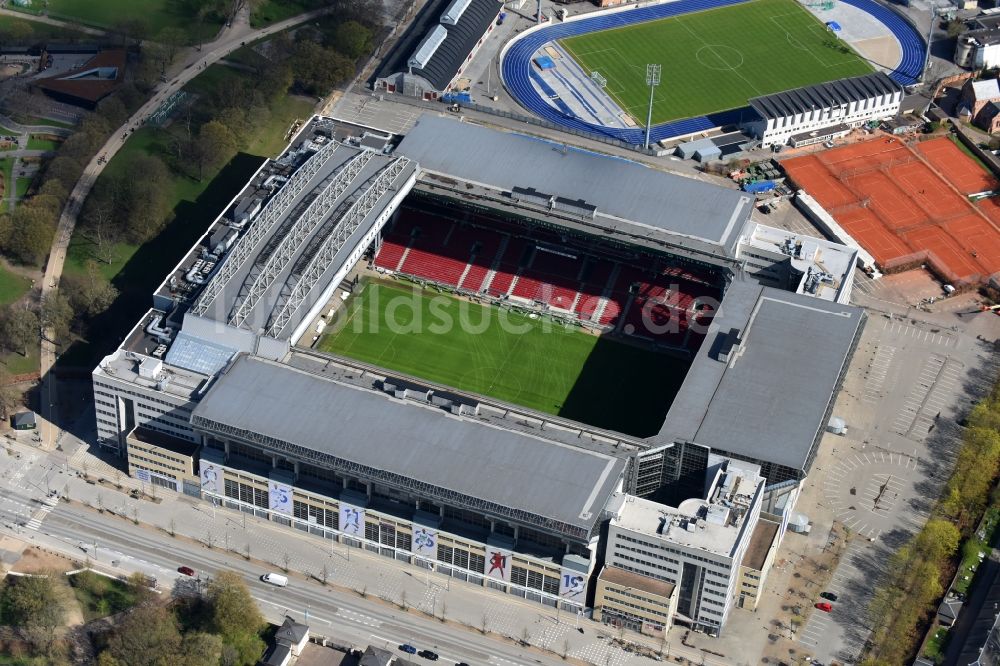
(518, 72)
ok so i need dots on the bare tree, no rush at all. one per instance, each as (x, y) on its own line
(565, 650)
(483, 622)
(324, 575)
(118, 479)
(444, 610)
(402, 599)
(246, 550)
(285, 559)
(525, 636)
(135, 515)
(209, 540)
(100, 502)
(172, 527)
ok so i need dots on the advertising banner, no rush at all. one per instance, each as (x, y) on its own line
(352, 520)
(573, 585)
(497, 563)
(279, 497)
(211, 477)
(425, 541)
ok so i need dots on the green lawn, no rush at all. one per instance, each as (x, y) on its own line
(37, 142)
(7, 169)
(975, 545)
(100, 596)
(40, 30)
(12, 286)
(156, 14)
(936, 644)
(715, 60)
(272, 11)
(536, 363)
(21, 186)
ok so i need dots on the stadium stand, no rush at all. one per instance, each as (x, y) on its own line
(520, 79)
(537, 268)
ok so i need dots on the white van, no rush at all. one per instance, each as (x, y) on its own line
(275, 579)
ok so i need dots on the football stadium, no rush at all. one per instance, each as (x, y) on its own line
(588, 72)
(468, 366)
(715, 60)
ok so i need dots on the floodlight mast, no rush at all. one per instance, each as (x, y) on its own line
(652, 80)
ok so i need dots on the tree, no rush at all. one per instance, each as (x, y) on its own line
(31, 234)
(201, 649)
(57, 314)
(233, 609)
(955, 28)
(148, 636)
(91, 293)
(318, 69)
(18, 328)
(351, 39)
(34, 602)
(173, 39)
(216, 146)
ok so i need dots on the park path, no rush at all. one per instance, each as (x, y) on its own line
(191, 63)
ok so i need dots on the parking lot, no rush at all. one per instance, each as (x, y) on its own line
(909, 379)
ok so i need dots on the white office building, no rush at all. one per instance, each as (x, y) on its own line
(697, 546)
(824, 111)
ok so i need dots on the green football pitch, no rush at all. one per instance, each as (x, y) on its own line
(533, 362)
(715, 60)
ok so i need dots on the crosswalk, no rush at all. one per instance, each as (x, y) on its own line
(49, 503)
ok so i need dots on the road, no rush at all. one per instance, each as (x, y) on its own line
(191, 63)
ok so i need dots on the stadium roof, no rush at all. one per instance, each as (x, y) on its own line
(442, 55)
(822, 95)
(770, 400)
(401, 441)
(621, 190)
(301, 238)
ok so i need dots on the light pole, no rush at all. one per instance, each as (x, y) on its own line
(652, 80)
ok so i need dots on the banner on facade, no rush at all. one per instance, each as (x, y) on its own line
(497, 563)
(211, 477)
(573, 585)
(425, 541)
(279, 497)
(352, 520)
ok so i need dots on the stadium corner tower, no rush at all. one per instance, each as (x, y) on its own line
(219, 393)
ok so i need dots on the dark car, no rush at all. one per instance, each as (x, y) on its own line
(830, 596)
(461, 663)
(187, 571)
(408, 649)
(427, 654)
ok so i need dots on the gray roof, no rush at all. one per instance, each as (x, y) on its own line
(550, 480)
(622, 190)
(821, 95)
(452, 53)
(291, 631)
(770, 401)
(271, 294)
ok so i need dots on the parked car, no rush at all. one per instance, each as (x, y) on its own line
(825, 606)
(187, 571)
(427, 654)
(829, 596)
(408, 649)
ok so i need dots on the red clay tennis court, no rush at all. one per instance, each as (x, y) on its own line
(909, 206)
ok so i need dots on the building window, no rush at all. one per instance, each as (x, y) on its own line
(371, 532)
(445, 554)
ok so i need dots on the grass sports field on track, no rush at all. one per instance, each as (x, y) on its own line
(717, 59)
(535, 363)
